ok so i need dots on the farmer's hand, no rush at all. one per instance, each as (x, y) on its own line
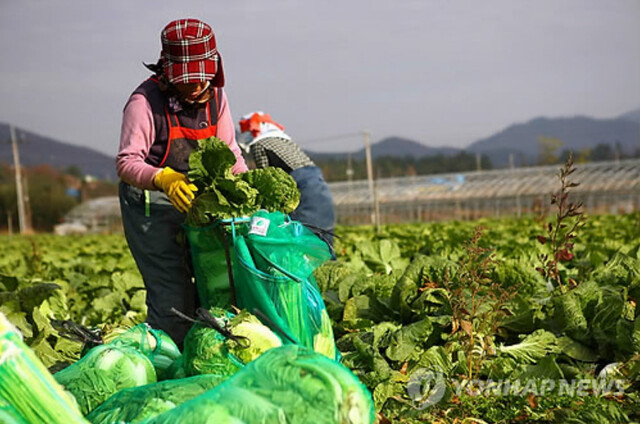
(177, 187)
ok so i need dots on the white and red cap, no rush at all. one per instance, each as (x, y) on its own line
(260, 124)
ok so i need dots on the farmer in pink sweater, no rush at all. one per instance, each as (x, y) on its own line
(182, 102)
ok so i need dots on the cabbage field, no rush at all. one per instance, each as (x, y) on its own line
(494, 321)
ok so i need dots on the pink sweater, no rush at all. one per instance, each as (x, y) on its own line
(137, 136)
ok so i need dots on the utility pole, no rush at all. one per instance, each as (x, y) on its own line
(376, 204)
(22, 216)
(349, 171)
(367, 150)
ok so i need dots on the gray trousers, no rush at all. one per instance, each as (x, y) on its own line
(153, 229)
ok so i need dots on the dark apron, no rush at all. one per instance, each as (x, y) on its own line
(183, 140)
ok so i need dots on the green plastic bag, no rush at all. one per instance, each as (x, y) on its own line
(209, 260)
(102, 372)
(136, 404)
(285, 245)
(288, 384)
(273, 275)
(28, 392)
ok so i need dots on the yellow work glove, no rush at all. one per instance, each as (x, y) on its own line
(177, 187)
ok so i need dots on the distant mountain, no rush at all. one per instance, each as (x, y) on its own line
(38, 150)
(521, 141)
(633, 115)
(390, 146)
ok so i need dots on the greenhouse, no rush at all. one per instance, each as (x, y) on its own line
(100, 215)
(604, 187)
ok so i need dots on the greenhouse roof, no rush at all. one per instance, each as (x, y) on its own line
(618, 176)
(91, 210)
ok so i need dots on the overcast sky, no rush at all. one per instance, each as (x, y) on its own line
(439, 72)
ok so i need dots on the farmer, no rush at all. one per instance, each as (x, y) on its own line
(182, 102)
(269, 145)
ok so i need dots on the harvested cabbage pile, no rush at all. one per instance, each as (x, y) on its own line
(207, 351)
(105, 370)
(288, 384)
(136, 404)
(223, 195)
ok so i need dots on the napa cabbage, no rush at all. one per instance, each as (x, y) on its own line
(103, 371)
(208, 351)
(221, 194)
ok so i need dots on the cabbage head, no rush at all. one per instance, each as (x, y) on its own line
(205, 351)
(277, 190)
(261, 338)
(103, 371)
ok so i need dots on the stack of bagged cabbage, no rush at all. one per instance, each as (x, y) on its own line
(242, 374)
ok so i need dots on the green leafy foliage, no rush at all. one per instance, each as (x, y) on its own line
(390, 308)
(275, 190)
(565, 333)
(90, 280)
(221, 194)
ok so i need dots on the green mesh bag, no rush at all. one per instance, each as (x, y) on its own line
(288, 384)
(209, 247)
(273, 277)
(205, 350)
(28, 392)
(136, 404)
(175, 370)
(103, 371)
(221, 342)
(154, 344)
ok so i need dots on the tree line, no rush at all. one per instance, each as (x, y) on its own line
(337, 169)
(49, 194)
(550, 152)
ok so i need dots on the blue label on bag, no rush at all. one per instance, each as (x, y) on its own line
(259, 226)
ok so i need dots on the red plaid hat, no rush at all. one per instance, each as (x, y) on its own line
(189, 53)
